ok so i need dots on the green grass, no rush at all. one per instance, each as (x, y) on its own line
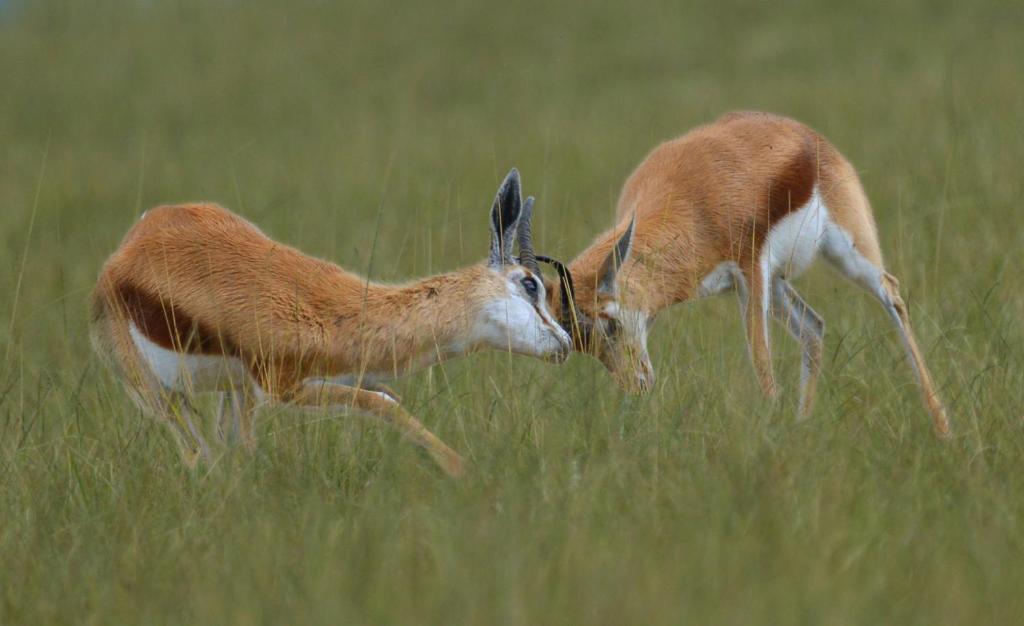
(375, 135)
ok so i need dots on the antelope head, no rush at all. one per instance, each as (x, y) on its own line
(600, 324)
(513, 314)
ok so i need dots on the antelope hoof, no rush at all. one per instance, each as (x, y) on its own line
(452, 465)
(192, 457)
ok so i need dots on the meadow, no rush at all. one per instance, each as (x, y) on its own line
(374, 134)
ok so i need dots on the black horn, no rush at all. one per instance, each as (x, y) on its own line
(570, 316)
(524, 235)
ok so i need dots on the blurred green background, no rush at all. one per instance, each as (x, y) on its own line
(374, 134)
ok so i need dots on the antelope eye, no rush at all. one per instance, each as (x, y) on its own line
(530, 285)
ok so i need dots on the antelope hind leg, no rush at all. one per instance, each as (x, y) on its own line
(380, 405)
(901, 318)
(840, 251)
(176, 412)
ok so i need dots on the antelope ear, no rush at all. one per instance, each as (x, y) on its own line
(508, 205)
(524, 236)
(614, 261)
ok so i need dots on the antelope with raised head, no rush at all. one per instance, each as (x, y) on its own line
(197, 299)
(745, 203)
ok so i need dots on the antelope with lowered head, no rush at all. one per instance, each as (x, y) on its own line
(745, 203)
(197, 299)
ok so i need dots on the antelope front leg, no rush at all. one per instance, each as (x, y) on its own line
(808, 329)
(755, 300)
(381, 405)
(382, 388)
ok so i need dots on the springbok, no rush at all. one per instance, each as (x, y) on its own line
(744, 203)
(197, 299)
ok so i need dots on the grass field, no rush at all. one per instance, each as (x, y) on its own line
(375, 135)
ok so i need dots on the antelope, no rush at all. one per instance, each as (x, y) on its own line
(196, 299)
(742, 204)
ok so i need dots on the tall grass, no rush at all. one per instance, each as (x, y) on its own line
(333, 125)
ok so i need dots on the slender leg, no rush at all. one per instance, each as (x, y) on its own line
(235, 418)
(756, 305)
(381, 405)
(382, 388)
(244, 404)
(898, 311)
(808, 329)
(364, 382)
(183, 411)
(840, 251)
(146, 391)
(174, 409)
(227, 432)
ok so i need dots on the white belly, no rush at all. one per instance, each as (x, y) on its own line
(189, 373)
(793, 242)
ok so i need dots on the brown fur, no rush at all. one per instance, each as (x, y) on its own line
(170, 327)
(707, 197)
(711, 196)
(198, 279)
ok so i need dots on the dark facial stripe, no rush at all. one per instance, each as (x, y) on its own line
(168, 326)
(542, 318)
